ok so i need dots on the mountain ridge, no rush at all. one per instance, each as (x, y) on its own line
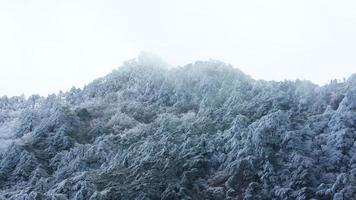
(202, 131)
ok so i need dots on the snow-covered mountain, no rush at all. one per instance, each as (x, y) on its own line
(202, 131)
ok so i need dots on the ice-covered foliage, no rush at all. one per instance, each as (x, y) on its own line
(201, 131)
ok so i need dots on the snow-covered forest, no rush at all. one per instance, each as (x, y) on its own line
(201, 131)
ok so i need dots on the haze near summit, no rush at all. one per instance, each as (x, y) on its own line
(47, 46)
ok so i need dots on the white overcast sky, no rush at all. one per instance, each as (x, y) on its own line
(52, 45)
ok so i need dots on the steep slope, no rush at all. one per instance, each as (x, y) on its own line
(202, 131)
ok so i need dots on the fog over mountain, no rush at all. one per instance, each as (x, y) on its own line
(201, 131)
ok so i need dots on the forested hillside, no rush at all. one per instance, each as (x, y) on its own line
(201, 131)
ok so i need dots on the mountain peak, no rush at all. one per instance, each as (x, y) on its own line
(200, 131)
